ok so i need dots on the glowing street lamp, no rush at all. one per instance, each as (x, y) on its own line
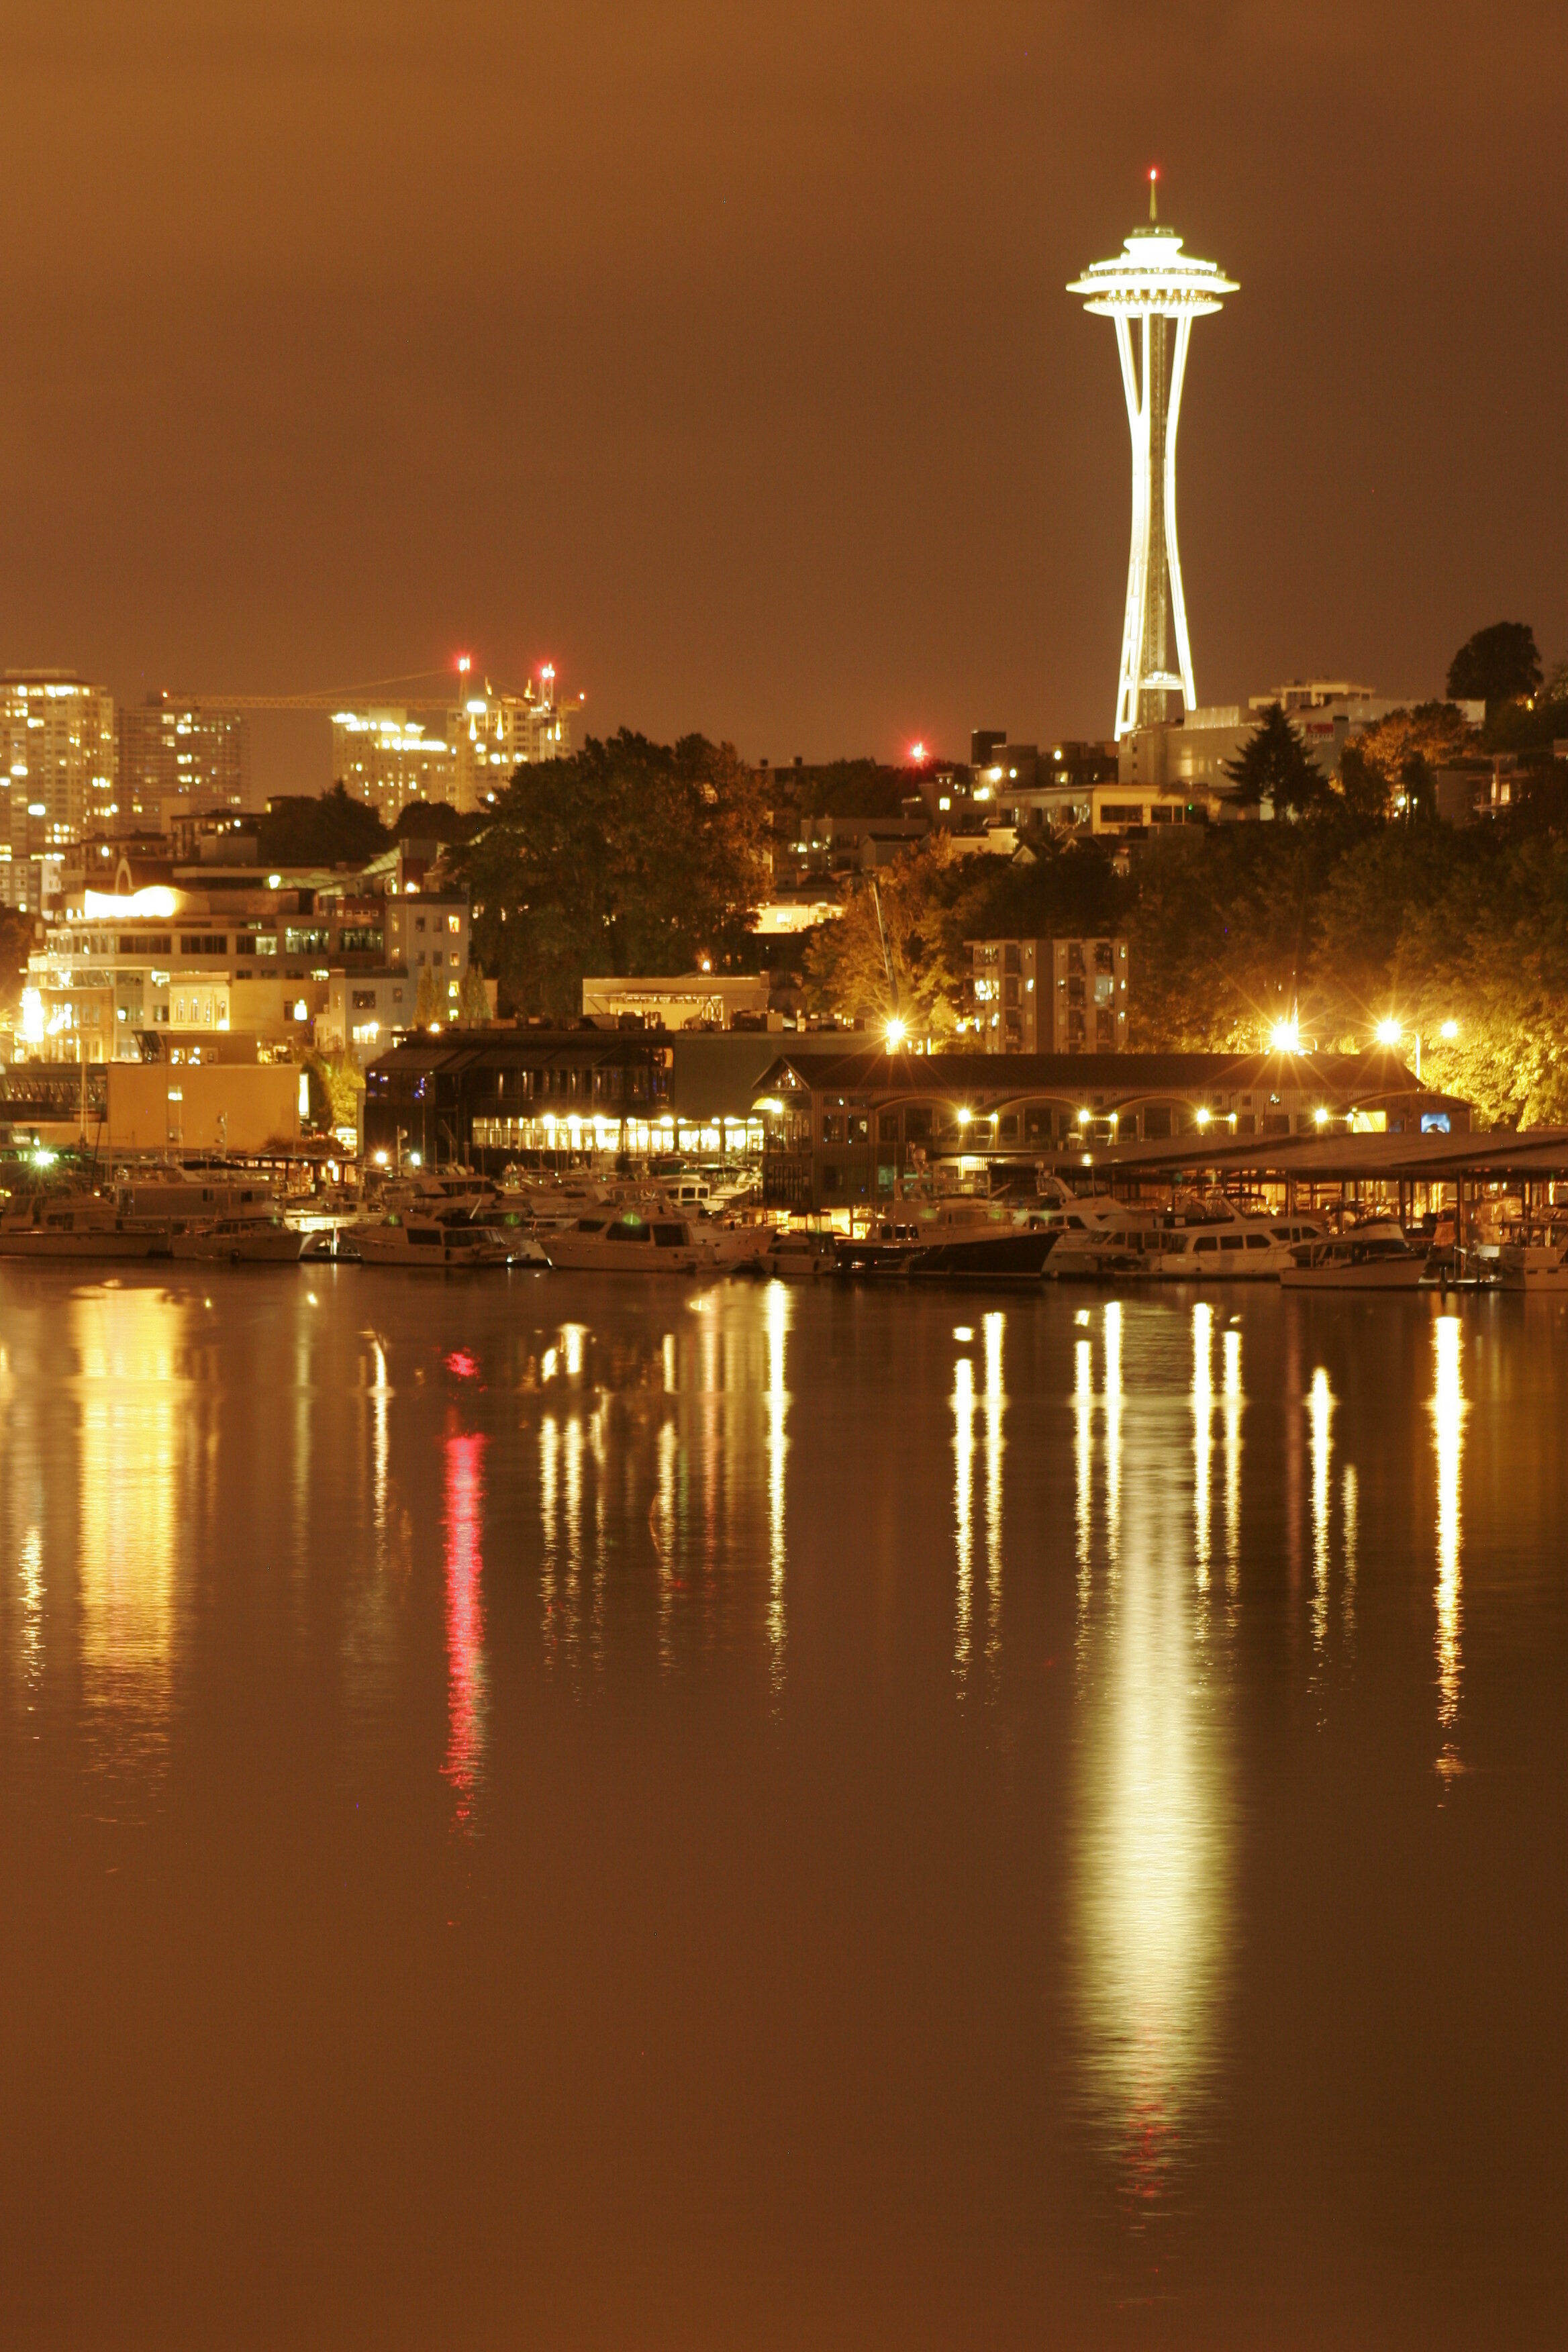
(896, 1032)
(1450, 1030)
(1284, 1037)
(1151, 283)
(1388, 1032)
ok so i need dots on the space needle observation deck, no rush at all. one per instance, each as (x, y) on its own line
(1151, 284)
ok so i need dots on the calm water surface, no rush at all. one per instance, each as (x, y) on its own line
(547, 1811)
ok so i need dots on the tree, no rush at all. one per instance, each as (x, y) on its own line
(1275, 765)
(473, 998)
(631, 856)
(1498, 665)
(845, 973)
(15, 946)
(1434, 734)
(426, 1006)
(321, 829)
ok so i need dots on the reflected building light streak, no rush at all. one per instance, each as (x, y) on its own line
(1350, 1499)
(1112, 1432)
(571, 1482)
(778, 1446)
(995, 1407)
(1321, 1406)
(30, 1644)
(1448, 1431)
(572, 1338)
(662, 1524)
(1232, 1376)
(548, 1518)
(669, 1384)
(465, 1489)
(380, 1444)
(1083, 1462)
(963, 1504)
(1151, 1916)
(1202, 1437)
(136, 1419)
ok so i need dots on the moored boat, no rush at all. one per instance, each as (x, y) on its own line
(77, 1225)
(241, 1241)
(422, 1242)
(1375, 1256)
(631, 1242)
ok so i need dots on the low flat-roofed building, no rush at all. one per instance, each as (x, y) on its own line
(687, 1001)
(846, 1131)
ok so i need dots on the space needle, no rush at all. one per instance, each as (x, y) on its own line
(1152, 282)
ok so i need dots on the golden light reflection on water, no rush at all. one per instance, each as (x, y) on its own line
(464, 1501)
(1202, 1437)
(1112, 1426)
(963, 1507)
(1152, 1877)
(1447, 1410)
(134, 1397)
(1232, 1353)
(1083, 1462)
(1321, 1406)
(993, 1328)
(778, 1446)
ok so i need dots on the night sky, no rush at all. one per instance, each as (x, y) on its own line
(720, 353)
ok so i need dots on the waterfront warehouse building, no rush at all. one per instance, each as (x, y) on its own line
(841, 1132)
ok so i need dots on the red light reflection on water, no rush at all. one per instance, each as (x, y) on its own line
(465, 1494)
(462, 1366)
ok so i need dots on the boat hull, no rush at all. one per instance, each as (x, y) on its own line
(1398, 1275)
(1018, 1257)
(83, 1245)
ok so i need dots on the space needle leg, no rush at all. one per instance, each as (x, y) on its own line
(1178, 599)
(1138, 560)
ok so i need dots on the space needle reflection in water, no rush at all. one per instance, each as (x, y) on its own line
(1152, 1868)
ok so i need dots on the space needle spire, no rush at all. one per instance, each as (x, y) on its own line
(1152, 283)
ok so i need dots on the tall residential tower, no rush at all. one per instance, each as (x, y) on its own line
(1152, 283)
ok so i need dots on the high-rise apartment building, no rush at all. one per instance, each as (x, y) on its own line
(385, 758)
(1051, 996)
(57, 774)
(174, 750)
(493, 734)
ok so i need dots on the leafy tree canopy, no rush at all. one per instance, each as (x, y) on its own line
(631, 856)
(1497, 665)
(321, 829)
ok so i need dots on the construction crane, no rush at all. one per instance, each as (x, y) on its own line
(343, 698)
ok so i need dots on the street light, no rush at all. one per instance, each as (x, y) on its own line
(1388, 1032)
(1450, 1030)
(896, 1032)
(1284, 1037)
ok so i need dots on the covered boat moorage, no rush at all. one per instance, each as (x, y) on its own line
(843, 1132)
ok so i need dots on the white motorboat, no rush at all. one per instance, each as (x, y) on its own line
(1534, 1258)
(511, 1228)
(77, 1225)
(630, 1243)
(182, 1197)
(1222, 1243)
(1373, 1256)
(798, 1255)
(415, 1239)
(1099, 1237)
(241, 1241)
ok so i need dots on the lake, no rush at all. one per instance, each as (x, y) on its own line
(542, 1809)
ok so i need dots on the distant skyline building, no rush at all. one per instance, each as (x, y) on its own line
(58, 780)
(1152, 283)
(385, 758)
(173, 749)
(492, 735)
